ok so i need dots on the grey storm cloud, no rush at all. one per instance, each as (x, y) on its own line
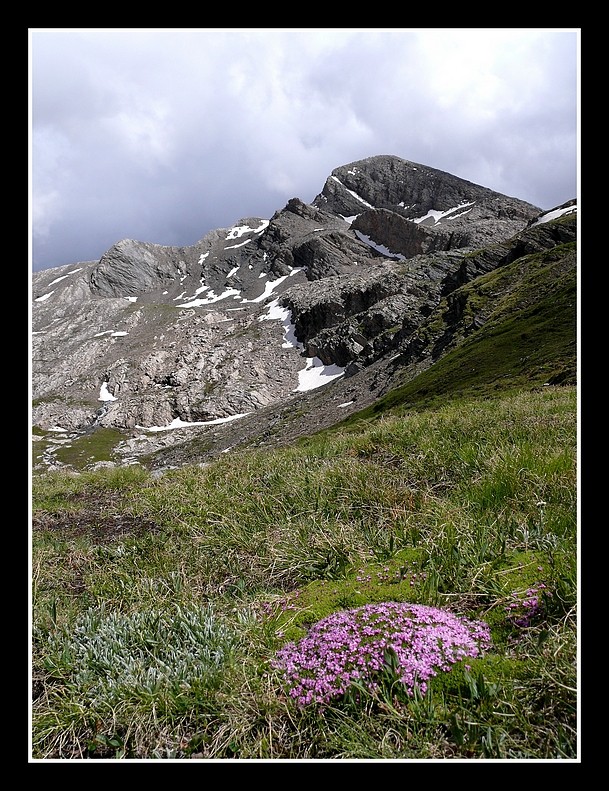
(163, 135)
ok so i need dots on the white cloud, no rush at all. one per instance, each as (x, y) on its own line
(165, 134)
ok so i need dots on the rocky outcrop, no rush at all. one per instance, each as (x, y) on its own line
(448, 212)
(417, 192)
(534, 239)
(403, 238)
(130, 268)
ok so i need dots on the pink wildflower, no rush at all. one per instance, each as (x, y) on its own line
(352, 645)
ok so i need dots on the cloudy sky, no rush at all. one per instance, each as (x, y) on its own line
(161, 135)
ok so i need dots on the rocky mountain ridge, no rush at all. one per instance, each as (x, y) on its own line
(303, 311)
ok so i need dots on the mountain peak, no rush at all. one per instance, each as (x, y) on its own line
(153, 341)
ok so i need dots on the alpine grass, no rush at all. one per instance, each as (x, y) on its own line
(407, 590)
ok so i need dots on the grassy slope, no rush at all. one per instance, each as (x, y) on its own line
(528, 341)
(457, 490)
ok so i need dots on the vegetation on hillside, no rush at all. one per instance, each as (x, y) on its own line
(401, 586)
(162, 605)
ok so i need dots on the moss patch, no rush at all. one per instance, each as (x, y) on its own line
(399, 579)
(88, 449)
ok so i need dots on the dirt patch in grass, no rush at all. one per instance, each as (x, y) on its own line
(92, 525)
(98, 519)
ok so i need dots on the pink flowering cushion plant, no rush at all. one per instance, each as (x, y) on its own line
(352, 646)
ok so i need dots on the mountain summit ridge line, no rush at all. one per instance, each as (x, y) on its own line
(160, 342)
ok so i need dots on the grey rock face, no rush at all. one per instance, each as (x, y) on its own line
(415, 190)
(130, 267)
(204, 338)
(447, 211)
